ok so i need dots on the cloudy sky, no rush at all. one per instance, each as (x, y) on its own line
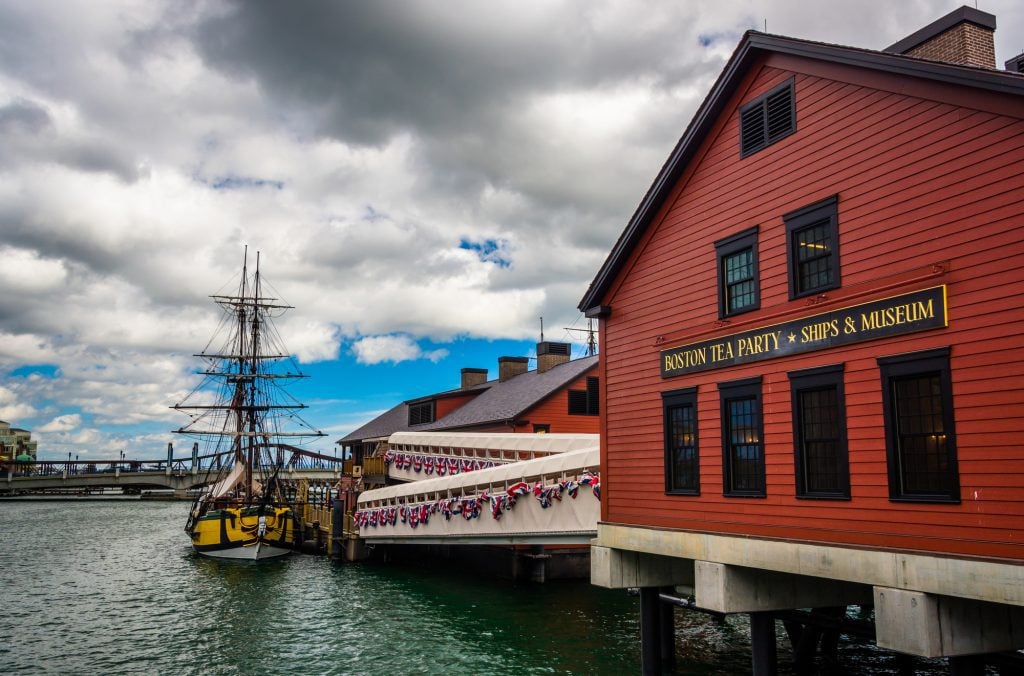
(425, 180)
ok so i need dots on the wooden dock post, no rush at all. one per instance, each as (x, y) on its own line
(336, 545)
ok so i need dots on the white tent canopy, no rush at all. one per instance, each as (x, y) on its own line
(551, 468)
(440, 442)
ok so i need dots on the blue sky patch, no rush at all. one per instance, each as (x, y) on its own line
(489, 251)
(44, 370)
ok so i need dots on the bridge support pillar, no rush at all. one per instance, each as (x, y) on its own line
(181, 493)
(538, 561)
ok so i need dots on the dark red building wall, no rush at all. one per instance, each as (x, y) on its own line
(930, 192)
(554, 411)
(445, 405)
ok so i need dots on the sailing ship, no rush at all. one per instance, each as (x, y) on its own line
(239, 411)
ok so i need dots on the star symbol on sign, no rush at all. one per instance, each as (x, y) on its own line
(792, 337)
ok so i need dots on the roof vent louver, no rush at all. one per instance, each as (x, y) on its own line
(767, 119)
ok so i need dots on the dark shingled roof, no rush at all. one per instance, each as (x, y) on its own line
(394, 420)
(397, 419)
(504, 401)
(500, 401)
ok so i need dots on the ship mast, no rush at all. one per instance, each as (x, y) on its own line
(251, 400)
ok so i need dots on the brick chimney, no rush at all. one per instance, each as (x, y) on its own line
(510, 367)
(550, 355)
(473, 377)
(965, 36)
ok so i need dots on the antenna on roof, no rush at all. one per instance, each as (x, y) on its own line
(766, 24)
(542, 329)
(591, 336)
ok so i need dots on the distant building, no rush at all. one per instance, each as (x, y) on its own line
(15, 442)
(811, 334)
(561, 395)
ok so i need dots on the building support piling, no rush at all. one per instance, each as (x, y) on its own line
(650, 631)
(762, 644)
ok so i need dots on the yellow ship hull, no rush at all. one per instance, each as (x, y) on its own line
(239, 533)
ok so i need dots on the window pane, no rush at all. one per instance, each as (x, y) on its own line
(682, 427)
(739, 266)
(739, 280)
(921, 434)
(820, 442)
(814, 256)
(746, 471)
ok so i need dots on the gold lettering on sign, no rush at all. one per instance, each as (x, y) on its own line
(722, 351)
(819, 331)
(759, 343)
(905, 313)
(896, 315)
(680, 360)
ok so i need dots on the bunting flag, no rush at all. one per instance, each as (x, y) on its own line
(470, 507)
(588, 478)
(440, 464)
(571, 486)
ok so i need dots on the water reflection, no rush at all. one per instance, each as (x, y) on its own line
(115, 588)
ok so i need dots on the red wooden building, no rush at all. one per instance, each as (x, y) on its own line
(811, 335)
(560, 395)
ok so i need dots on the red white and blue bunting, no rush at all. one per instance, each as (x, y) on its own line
(441, 465)
(471, 507)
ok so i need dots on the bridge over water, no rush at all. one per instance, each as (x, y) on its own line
(180, 475)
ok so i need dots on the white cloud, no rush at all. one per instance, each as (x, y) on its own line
(25, 272)
(13, 406)
(62, 423)
(147, 142)
(395, 349)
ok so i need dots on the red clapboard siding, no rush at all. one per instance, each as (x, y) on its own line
(554, 411)
(929, 192)
(445, 405)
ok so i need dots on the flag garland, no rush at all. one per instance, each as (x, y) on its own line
(470, 507)
(429, 464)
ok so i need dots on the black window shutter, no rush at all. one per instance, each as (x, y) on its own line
(767, 119)
(577, 402)
(752, 136)
(593, 396)
(779, 113)
(421, 413)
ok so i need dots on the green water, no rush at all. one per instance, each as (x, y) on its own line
(114, 588)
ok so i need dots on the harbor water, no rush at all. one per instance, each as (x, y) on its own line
(113, 587)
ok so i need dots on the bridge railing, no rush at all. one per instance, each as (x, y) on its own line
(209, 462)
